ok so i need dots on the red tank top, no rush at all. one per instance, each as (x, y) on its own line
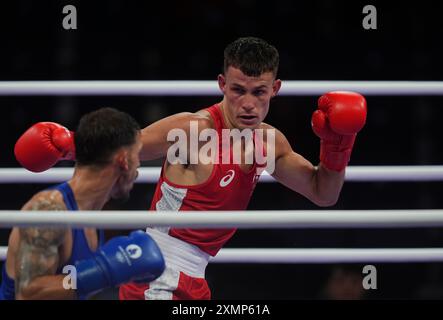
(227, 188)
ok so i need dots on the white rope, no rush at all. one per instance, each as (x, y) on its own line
(3, 253)
(151, 174)
(227, 219)
(20, 175)
(316, 255)
(394, 173)
(210, 88)
(330, 255)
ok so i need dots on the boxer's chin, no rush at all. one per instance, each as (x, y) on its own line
(121, 197)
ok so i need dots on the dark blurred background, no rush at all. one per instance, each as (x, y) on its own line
(317, 40)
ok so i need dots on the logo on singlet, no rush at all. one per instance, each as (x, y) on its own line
(227, 178)
(134, 251)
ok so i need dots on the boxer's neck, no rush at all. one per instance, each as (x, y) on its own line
(92, 187)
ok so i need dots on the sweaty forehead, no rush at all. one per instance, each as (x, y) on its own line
(236, 76)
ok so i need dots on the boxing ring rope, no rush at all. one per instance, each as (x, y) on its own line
(329, 255)
(210, 88)
(151, 174)
(3, 252)
(250, 219)
(320, 255)
(257, 220)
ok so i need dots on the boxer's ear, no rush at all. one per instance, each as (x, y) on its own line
(276, 87)
(122, 159)
(221, 82)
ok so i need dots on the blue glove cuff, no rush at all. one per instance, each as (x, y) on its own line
(91, 277)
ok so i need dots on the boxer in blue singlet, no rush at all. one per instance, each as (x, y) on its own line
(107, 146)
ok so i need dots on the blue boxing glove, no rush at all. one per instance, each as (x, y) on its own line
(122, 259)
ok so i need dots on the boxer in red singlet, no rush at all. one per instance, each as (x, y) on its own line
(248, 84)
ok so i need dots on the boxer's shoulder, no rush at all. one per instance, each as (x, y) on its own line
(281, 143)
(202, 118)
(265, 126)
(268, 129)
(46, 200)
(183, 120)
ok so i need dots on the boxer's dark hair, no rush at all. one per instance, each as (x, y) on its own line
(253, 56)
(101, 133)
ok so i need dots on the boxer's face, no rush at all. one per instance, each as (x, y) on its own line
(129, 172)
(246, 99)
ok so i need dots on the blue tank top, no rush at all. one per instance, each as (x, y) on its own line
(80, 247)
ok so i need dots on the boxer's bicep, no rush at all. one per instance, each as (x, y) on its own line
(319, 185)
(296, 173)
(37, 252)
(293, 170)
(37, 256)
(160, 135)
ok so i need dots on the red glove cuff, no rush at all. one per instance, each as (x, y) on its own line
(336, 156)
(64, 141)
(70, 155)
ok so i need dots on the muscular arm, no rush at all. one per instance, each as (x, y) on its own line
(36, 264)
(37, 257)
(319, 184)
(154, 136)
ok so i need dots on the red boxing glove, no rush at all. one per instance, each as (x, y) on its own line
(339, 117)
(43, 145)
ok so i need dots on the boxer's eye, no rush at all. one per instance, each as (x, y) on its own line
(238, 90)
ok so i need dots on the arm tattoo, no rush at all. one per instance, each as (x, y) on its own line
(38, 250)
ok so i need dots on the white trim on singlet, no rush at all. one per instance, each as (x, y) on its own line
(180, 255)
(171, 200)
